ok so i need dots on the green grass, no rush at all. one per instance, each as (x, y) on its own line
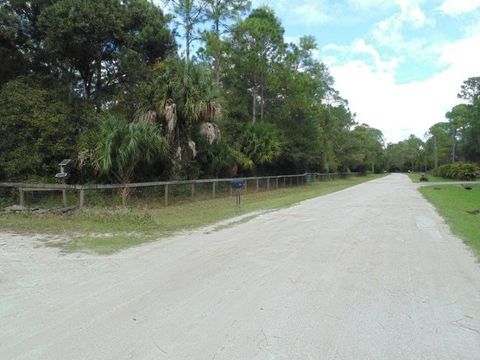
(107, 230)
(459, 208)
(415, 177)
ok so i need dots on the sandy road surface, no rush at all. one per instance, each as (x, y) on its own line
(370, 272)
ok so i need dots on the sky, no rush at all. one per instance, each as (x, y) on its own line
(399, 63)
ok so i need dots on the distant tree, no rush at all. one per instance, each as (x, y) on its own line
(470, 90)
(256, 47)
(406, 155)
(470, 115)
(439, 143)
(187, 15)
(457, 119)
(220, 13)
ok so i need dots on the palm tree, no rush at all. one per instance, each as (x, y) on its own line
(122, 146)
(256, 144)
(184, 95)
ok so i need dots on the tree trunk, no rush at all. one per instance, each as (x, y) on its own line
(125, 192)
(454, 136)
(262, 105)
(98, 82)
(187, 44)
(254, 105)
(125, 179)
(218, 53)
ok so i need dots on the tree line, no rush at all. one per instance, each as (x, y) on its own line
(457, 139)
(135, 91)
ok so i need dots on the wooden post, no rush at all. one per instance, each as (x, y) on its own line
(193, 191)
(268, 184)
(21, 196)
(257, 185)
(64, 197)
(81, 199)
(166, 194)
(285, 181)
(276, 180)
(246, 185)
(214, 189)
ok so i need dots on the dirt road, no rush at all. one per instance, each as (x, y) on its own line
(371, 272)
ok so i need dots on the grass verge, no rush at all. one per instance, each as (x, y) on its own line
(460, 208)
(415, 177)
(107, 230)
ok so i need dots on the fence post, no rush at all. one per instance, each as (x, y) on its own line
(268, 183)
(21, 196)
(285, 181)
(64, 197)
(81, 198)
(166, 194)
(276, 180)
(193, 191)
(213, 189)
(246, 185)
(257, 184)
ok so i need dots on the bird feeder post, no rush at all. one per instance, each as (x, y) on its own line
(21, 194)
(81, 198)
(166, 195)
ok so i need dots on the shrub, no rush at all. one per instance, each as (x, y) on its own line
(457, 171)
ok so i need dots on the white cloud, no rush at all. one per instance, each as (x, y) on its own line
(401, 109)
(388, 32)
(457, 7)
(311, 13)
(359, 48)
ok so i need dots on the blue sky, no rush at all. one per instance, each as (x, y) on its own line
(400, 63)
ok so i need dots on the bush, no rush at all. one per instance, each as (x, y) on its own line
(457, 171)
(39, 127)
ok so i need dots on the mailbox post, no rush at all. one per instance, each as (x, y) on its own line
(63, 175)
(238, 185)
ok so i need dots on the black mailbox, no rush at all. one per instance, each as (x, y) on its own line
(237, 184)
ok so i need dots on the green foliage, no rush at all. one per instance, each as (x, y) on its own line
(458, 171)
(122, 146)
(254, 144)
(407, 155)
(272, 106)
(39, 127)
(101, 41)
(255, 49)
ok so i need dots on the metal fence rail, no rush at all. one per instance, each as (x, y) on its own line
(168, 190)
